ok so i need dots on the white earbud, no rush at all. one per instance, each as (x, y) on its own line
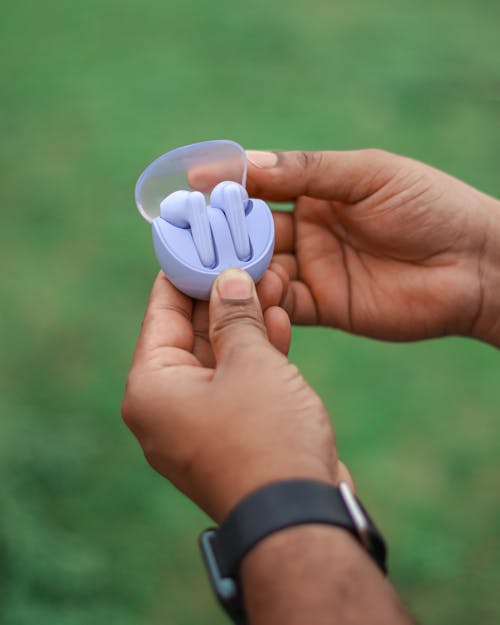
(187, 209)
(232, 199)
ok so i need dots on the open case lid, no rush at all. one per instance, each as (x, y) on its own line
(196, 167)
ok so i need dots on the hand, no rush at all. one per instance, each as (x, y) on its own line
(380, 245)
(217, 409)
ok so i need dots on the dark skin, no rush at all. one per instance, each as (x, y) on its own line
(378, 245)
(219, 432)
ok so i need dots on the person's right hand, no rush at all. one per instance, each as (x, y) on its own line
(380, 245)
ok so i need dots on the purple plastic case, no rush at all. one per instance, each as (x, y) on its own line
(200, 167)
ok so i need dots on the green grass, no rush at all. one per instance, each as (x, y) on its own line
(89, 94)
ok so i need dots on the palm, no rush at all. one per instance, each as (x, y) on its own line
(390, 266)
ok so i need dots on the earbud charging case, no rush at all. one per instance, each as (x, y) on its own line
(200, 167)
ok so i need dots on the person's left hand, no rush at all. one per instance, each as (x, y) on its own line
(216, 407)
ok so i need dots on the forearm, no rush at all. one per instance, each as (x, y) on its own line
(317, 575)
(487, 323)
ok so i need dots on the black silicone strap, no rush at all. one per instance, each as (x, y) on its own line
(281, 505)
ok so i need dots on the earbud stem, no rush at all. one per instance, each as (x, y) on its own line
(234, 208)
(200, 228)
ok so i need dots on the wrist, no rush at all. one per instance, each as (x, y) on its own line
(487, 323)
(247, 477)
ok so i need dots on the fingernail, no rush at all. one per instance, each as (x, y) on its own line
(263, 160)
(235, 285)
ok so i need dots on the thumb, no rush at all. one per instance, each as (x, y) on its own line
(236, 320)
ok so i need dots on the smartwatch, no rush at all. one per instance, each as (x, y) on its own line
(270, 509)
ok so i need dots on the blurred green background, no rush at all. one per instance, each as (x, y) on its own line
(91, 92)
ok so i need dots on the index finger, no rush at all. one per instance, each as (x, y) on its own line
(167, 329)
(348, 176)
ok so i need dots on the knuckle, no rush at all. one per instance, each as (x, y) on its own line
(307, 400)
(294, 373)
(237, 317)
(126, 411)
(378, 154)
(312, 165)
(310, 160)
(130, 408)
(317, 408)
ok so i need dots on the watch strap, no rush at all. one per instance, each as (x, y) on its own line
(273, 508)
(287, 504)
